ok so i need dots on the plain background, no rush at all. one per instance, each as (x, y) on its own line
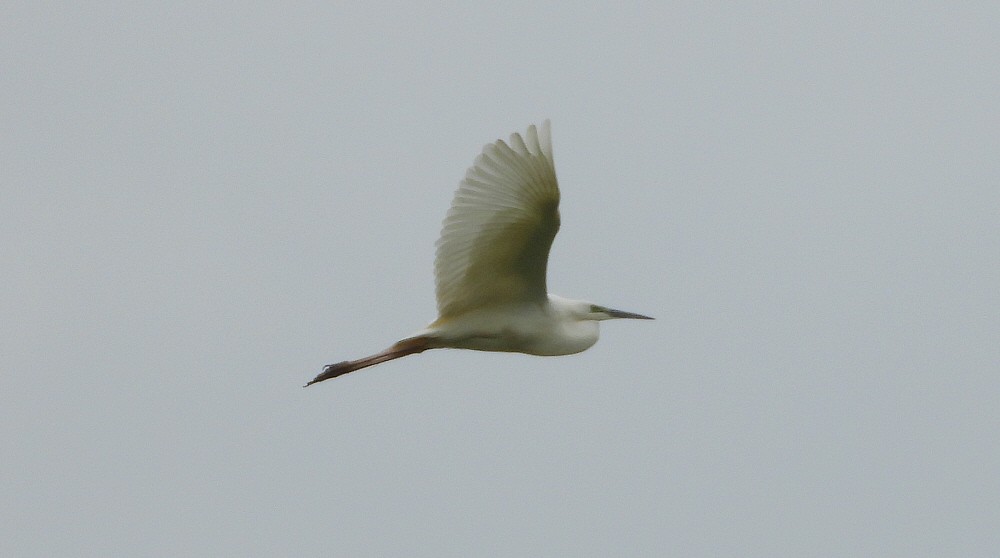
(204, 204)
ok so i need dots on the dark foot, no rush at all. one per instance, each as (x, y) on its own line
(331, 371)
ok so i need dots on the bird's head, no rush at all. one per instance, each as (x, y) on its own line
(583, 310)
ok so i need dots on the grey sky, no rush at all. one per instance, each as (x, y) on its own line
(202, 206)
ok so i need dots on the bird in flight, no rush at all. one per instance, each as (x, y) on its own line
(491, 260)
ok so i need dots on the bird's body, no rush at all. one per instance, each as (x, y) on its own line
(491, 264)
(535, 329)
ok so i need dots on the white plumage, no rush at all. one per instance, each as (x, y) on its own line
(491, 263)
(494, 244)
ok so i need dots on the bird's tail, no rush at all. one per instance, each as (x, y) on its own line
(402, 348)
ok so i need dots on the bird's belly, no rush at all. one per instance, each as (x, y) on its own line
(540, 337)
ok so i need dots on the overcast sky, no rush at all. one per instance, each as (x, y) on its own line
(202, 206)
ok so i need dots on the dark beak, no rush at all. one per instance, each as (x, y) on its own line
(622, 314)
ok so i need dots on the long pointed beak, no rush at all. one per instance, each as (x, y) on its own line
(622, 314)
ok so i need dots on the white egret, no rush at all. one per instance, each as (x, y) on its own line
(490, 265)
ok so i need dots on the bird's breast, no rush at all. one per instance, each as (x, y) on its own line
(565, 338)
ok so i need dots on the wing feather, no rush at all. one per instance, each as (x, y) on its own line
(495, 239)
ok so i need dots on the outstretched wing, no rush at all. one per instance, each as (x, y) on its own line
(495, 240)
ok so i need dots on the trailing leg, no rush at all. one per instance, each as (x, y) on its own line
(403, 348)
